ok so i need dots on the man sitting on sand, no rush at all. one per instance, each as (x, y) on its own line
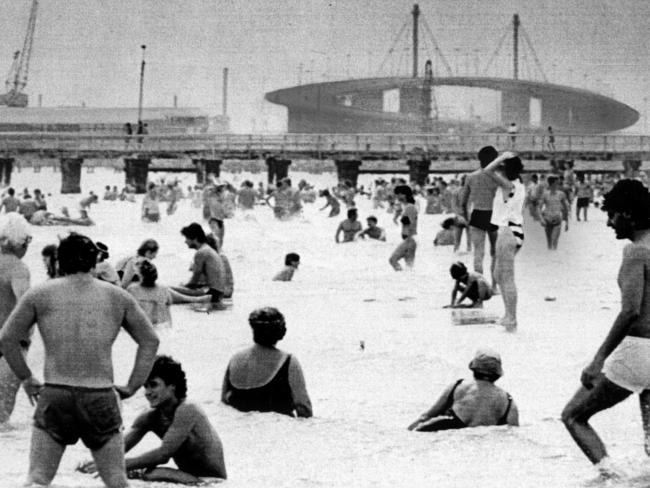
(472, 403)
(291, 263)
(187, 435)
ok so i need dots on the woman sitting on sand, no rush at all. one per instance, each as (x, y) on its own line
(129, 268)
(472, 403)
(156, 299)
(262, 377)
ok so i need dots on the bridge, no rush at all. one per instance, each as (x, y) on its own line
(380, 153)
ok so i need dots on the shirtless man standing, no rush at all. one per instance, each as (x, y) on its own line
(479, 191)
(79, 319)
(621, 365)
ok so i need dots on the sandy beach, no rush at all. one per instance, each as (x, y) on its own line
(364, 399)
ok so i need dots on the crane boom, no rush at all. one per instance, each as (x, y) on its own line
(17, 78)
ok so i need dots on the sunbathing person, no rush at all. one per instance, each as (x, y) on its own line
(472, 403)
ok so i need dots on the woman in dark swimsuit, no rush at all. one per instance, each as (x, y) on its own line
(263, 378)
(472, 403)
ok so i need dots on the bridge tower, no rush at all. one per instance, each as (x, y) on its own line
(515, 46)
(416, 17)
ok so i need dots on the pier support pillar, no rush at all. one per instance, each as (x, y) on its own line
(205, 167)
(277, 169)
(136, 170)
(6, 168)
(348, 169)
(419, 170)
(71, 175)
(631, 167)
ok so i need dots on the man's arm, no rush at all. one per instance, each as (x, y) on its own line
(15, 329)
(176, 435)
(139, 327)
(632, 285)
(338, 231)
(513, 415)
(197, 269)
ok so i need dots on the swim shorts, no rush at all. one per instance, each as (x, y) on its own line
(481, 220)
(582, 202)
(628, 365)
(69, 413)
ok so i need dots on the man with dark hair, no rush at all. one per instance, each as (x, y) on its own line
(621, 365)
(208, 270)
(10, 203)
(373, 231)
(478, 193)
(187, 435)
(350, 227)
(79, 318)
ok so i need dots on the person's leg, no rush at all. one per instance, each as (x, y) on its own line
(644, 402)
(505, 273)
(578, 207)
(492, 237)
(44, 458)
(584, 404)
(477, 237)
(584, 210)
(170, 475)
(398, 254)
(409, 254)
(555, 235)
(110, 462)
(458, 234)
(548, 232)
(9, 386)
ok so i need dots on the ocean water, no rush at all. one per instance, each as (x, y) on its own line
(364, 399)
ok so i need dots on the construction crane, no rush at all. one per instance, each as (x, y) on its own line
(17, 77)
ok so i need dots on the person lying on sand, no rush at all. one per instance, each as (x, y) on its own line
(472, 403)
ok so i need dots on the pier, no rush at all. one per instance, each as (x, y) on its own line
(352, 154)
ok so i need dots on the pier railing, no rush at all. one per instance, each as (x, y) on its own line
(319, 145)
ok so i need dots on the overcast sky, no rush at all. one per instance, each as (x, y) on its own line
(89, 50)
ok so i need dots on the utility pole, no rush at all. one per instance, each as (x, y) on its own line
(141, 84)
(515, 45)
(416, 15)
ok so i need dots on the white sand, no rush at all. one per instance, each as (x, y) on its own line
(363, 400)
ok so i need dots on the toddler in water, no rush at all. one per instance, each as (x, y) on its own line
(155, 299)
(446, 236)
(291, 262)
(472, 285)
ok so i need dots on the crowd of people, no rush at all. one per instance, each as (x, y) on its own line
(79, 400)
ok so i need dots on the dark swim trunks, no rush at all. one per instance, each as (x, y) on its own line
(68, 413)
(582, 202)
(481, 220)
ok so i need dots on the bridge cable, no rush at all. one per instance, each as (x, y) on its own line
(530, 45)
(497, 50)
(392, 47)
(437, 48)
